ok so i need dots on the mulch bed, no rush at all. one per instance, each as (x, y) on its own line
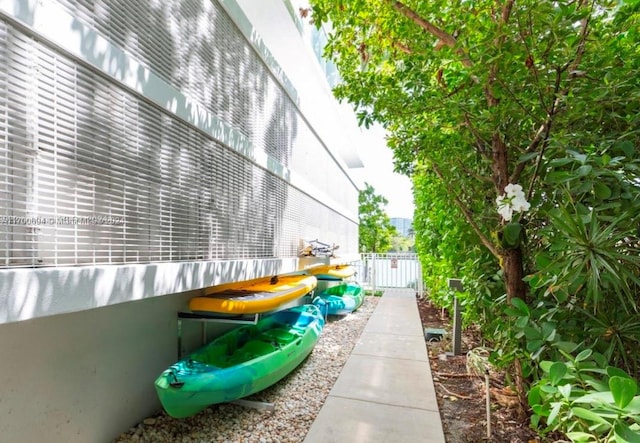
(461, 393)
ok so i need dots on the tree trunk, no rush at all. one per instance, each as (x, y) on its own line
(499, 163)
(513, 277)
(514, 274)
(512, 263)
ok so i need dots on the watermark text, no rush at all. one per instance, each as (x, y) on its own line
(60, 220)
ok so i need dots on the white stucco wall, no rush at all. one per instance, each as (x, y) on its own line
(31, 293)
(86, 377)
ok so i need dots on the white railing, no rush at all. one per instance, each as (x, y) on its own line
(391, 270)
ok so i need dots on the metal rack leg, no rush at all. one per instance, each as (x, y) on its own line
(179, 338)
(270, 407)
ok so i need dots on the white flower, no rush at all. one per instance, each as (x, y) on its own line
(513, 189)
(506, 211)
(513, 200)
(520, 204)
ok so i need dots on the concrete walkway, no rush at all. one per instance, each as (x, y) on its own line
(385, 392)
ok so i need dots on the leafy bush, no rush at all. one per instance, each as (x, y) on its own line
(584, 402)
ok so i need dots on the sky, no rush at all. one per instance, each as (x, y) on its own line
(378, 172)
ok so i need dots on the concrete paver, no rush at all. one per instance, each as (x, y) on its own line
(391, 346)
(386, 380)
(385, 391)
(343, 420)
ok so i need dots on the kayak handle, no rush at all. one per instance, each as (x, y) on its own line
(175, 383)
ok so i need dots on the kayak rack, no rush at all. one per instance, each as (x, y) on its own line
(204, 319)
(253, 404)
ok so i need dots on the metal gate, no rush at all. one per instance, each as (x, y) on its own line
(392, 270)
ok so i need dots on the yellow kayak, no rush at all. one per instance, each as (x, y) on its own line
(331, 272)
(253, 296)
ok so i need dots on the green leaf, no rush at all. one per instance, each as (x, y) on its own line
(541, 409)
(526, 157)
(589, 415)
(548, 331)
(535, 421)
(543, 260)
(557, 162)
(601, 190)
(608, 414)
(596, 398)
(549, 389)
(521, 306)
(532, 333)
(535, 281)
(565, 391)
(584, 355)
(578, 156)
(512, 312)
(511, 235)
(521, 322)
(600, 360)
(566, 346)
(584, 170)
(580, 437)
(555, 410)
(545, 365)
(534, 345)
(626, 147)
(534, 396)
(623, 390)
(557, 372)
(624, 434)
(612, 371)
(634, 406)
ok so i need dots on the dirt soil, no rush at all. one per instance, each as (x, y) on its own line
(461, 390)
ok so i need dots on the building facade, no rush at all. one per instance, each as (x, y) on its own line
(404, 226)
(148, 149)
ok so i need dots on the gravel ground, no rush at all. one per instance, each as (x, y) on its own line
(297, 398)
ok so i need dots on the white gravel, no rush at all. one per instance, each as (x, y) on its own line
(297, 398)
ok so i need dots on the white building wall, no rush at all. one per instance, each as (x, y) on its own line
(146, 149)
(84, 377)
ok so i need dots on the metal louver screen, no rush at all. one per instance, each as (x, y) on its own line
(113, 179)
(195, 47)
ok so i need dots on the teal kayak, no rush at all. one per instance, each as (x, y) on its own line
(241, 362)
(341, 299)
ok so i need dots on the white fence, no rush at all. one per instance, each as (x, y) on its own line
(393, 270)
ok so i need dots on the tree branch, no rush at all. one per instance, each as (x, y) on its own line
(493, 71)
(443, 36)
(531, 63)
(542, 134)
(432, 29)
(481, 144)
(404, 48)
(471, 173)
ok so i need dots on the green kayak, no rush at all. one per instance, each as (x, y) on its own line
(341, 299)
(241, 362)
